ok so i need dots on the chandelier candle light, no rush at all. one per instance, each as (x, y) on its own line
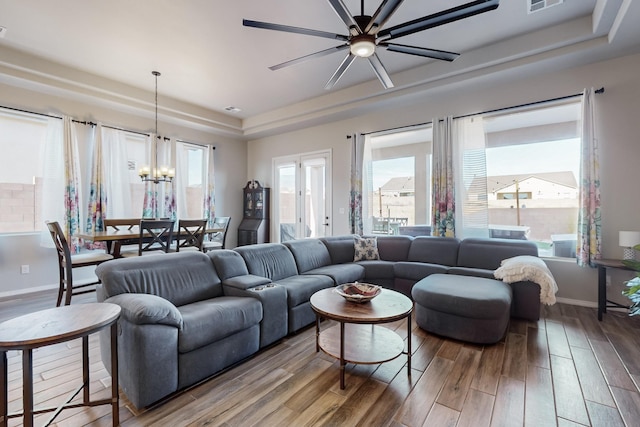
(164, 173)
(629, 239)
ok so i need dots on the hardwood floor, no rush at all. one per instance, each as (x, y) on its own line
(567, 369)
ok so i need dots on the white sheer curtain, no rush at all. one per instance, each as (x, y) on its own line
(470, 162)
(52, 179)
(116, 173)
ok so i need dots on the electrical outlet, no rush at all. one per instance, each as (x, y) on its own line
(24, 269)
(608, 281)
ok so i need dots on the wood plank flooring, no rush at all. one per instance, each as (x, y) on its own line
(567, 369)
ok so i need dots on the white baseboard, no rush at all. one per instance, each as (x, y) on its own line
(18, 292)
(578, 302)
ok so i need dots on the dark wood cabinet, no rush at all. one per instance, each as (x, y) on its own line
(254, 227)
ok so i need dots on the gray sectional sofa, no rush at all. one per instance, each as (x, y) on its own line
(187, 316)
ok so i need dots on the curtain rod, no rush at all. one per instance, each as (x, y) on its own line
(528, 104)
(82, 122)
(195, 143)
(601, 90)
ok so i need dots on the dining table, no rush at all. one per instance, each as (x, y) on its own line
(125, 235)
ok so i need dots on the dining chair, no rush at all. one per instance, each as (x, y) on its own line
(216, 240)
(190, 234)
(67, 262)
(117, 224)
(155, 238)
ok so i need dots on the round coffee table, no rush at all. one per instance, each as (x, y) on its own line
(54, 326)
(357, 338)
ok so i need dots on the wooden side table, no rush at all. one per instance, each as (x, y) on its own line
(603, 302)
(54, 326)
(368, 344)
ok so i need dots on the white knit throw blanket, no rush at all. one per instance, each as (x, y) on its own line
(527, 267)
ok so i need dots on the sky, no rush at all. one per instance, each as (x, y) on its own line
(552, 156)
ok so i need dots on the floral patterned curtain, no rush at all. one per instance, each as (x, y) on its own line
(356, 224)
(97, 205)
(209, 206)
(589, 216)
(166, 157)
(72, 185)
(443, 210)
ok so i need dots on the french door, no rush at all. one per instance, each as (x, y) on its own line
(303, 196)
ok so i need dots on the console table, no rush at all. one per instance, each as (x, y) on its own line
(53, 326)
(603, 302)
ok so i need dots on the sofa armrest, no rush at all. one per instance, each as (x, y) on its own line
(273, 297)
(245, 282)
(143, 309)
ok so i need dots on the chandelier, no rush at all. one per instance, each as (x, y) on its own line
(154, 173)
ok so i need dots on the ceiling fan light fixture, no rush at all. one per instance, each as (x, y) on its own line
(363, 46)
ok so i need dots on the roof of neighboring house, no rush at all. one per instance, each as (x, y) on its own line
(497, 183)
(400, 184)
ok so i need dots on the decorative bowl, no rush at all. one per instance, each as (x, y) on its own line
(358, 292)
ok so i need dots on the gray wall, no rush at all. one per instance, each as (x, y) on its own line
(24, 249)
(617, 112)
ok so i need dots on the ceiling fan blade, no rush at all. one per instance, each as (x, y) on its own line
(380, 71)
(421, 51)
(341, 9)
(382, 15)
(290, 29)
(348, 60)
(440, 18)
(307, 57)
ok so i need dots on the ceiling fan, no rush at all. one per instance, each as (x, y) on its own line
(366, 34)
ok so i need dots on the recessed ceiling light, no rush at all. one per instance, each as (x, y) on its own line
(3, 32)
(232, 109)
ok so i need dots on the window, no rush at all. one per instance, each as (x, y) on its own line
(400, 179)
(22, 138)
(192, 179)
(523, 180)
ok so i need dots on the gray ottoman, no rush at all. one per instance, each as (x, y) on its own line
(465, 308)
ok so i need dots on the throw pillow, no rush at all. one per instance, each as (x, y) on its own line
(365, 248)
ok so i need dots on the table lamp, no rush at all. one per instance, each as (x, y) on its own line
(629, 239)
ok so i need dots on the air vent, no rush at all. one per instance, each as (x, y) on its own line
(538, 5)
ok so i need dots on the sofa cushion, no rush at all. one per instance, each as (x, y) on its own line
(340, 273)
(489, 253)
(272, 260)
(300, 288)
(394, 248)
(434, 250)
(340, 248)
(195, 280)
(365, 248)
(468, 297)
(377, 269)
(309, 254)
(208, 321)
(416, 270)
(476, 272)
(228, 263)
